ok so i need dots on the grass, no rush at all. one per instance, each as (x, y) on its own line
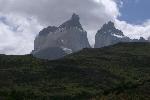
(118, 72)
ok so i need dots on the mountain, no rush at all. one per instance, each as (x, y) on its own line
(109, 35)
(67, 38)
(118, 72)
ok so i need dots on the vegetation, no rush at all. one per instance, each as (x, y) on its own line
(118, 72)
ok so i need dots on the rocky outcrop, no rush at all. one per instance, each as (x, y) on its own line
(67, 38)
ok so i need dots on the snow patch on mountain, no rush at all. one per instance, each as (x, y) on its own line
(67, 50)
(118, 36)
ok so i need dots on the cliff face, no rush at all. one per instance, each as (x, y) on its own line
(68, 37)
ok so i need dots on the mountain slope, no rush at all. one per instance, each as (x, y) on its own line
(117, 72)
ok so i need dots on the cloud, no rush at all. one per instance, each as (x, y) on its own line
(134, 31)
(17, 34)
(21, 20)
(56, 11)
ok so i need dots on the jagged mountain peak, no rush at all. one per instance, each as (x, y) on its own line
(110, 24)
(75, 17)
(67, 38)
(73, 22)
(109, 35)
(110, 29)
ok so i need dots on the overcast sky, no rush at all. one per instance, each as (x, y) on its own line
(21, 20)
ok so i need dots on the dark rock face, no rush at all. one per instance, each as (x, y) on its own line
(47, 30)
(69, 37)
(109, 35)
(73, 22)
(109, 28)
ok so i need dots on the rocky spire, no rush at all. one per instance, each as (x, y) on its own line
(109, 35)
(110, 29)
(56, 42)
(73, 22)
(75, 17)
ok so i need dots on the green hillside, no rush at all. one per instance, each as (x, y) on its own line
(118, 72)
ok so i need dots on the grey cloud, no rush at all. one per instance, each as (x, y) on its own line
(54, 12)
(17, 34)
